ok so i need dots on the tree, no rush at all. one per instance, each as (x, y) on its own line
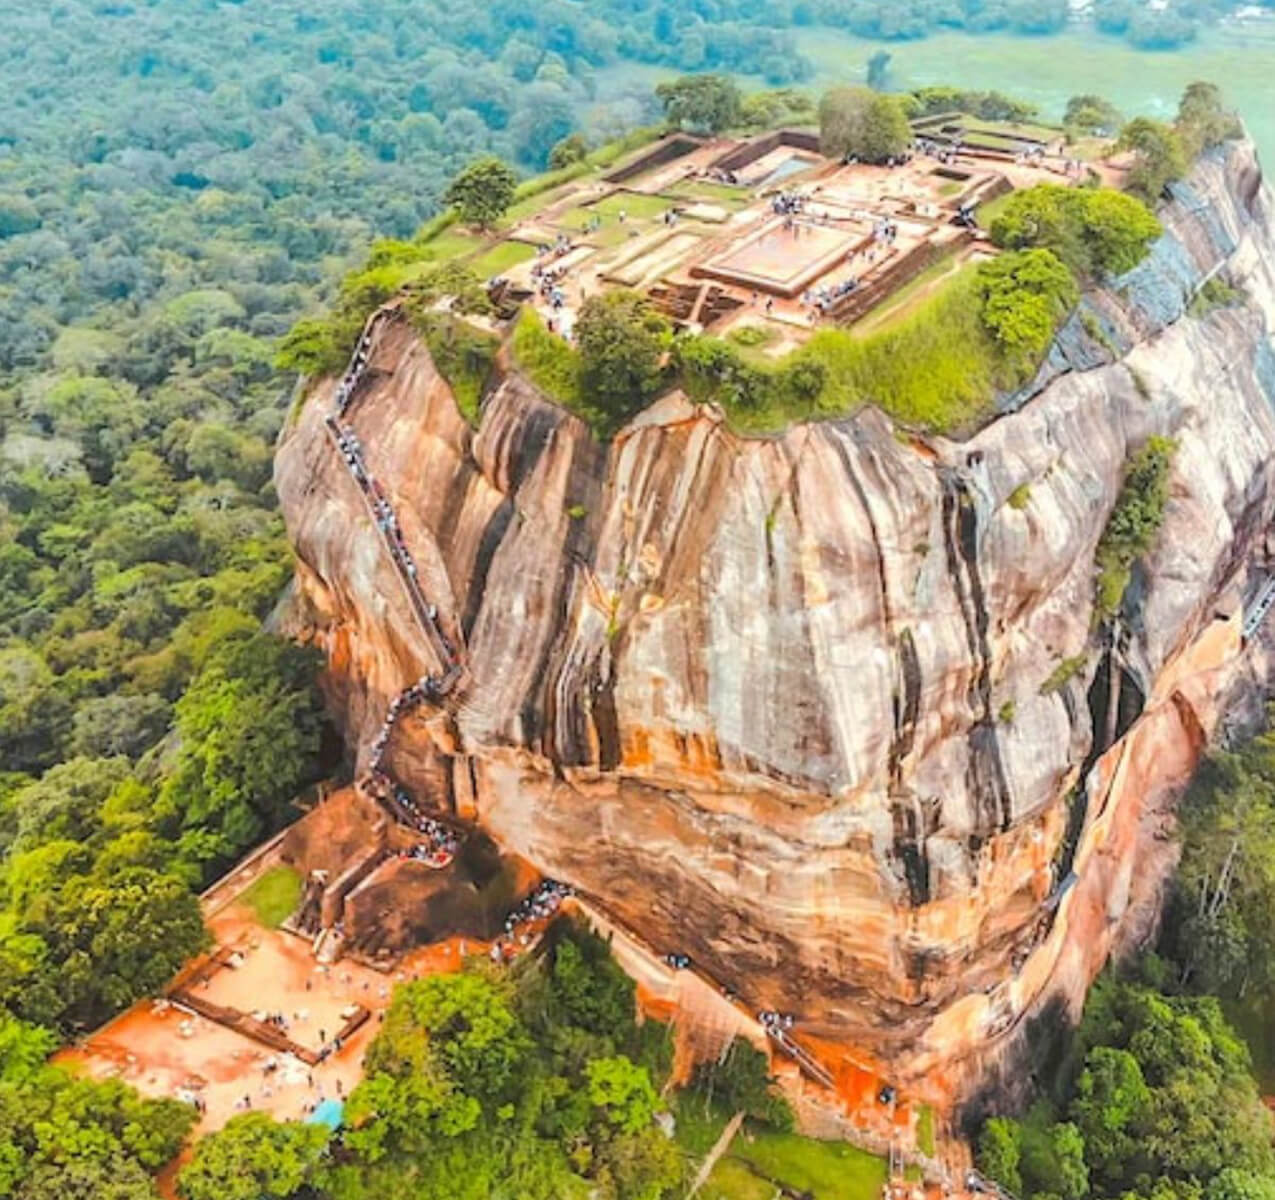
(623, 1092)
(644, 1165)
(1025, 294)
(879, 70)
(91, 1179)
(1088, 113)
(740, 1080)
(118, 725)
(1117, 229)
(1217, 928)
(1204, 121)
(859, 122)
(472, 1031)
(999, 1153)
(33, 713)
(1165, 1093)
(1095, 231)
(482, 192)
(591, 990)
(622, 340)
(569, 151)
(1071, 1172)
(1159, 157)
(541, 123)
(23, 1050)
(775, 106)
(120, 938)
(704, 103)
(252, 1157)
(1233, 1183)
(249, 726)
(17, 215)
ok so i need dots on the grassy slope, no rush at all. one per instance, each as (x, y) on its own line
(274, 896)
(760, 1161)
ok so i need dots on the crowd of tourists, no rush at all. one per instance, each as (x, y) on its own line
(440, 847)
(352, 453)
(539, 905)
(354, 372)
(776, 1023)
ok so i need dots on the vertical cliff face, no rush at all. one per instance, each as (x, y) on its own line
(783, 703)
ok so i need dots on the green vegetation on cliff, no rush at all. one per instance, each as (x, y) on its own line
(1134, 521)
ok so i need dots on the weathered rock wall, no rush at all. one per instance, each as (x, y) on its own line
(779, 701)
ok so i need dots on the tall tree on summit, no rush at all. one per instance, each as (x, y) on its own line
(703, 103)
(482, 192)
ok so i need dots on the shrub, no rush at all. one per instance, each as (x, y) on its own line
(1095, 231)
(1024, 295)
(318, 345)
(1214, 293)
(1135, 519)
(750, 335)
(482, 192)
(714, 371)
(741, 1081)
(622, 339)
(570, 150)
(1203, 120)
(548, 361)
(1159, 157)
(938, 368)
(1063, 673)
(463, 355)
(860, 122)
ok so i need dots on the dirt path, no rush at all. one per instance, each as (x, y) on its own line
(719, 1148)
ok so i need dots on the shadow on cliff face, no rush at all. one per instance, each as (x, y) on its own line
(1126, 693)
(1033, 1062)
(411, 904)
(1114, 705)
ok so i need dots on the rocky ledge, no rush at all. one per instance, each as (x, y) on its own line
(826, 711)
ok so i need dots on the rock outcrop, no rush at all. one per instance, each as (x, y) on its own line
(780, 703)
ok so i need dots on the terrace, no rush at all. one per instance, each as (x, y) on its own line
(696, 224)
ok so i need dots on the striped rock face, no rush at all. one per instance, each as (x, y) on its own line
(782, 703)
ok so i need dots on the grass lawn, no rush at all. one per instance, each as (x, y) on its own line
(274, 897)
(614, 234)
(985, 214)
(533, 204)
(501, 257)
(636, 204)
(829, 1170)
(716, 193)
(575, 219)
(449, 244)
(732, 1180)
(1043, 133)
(905, 300)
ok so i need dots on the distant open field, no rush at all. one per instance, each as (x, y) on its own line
(1047, 70)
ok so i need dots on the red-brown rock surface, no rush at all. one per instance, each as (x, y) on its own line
(778, 702)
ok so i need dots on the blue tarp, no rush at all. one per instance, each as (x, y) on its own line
(329, 1113)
